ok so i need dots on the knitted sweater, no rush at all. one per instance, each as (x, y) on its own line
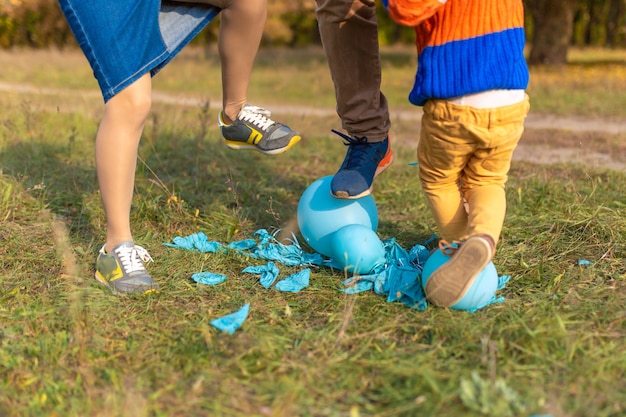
(464, 46)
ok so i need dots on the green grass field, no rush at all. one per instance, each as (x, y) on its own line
(556, 346)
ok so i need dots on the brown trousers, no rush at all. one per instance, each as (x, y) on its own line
(349, 33)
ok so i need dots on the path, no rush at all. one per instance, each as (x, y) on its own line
(533, 152)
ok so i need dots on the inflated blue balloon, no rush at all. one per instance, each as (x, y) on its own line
(357, 249)
(480, 293)
(320, 214)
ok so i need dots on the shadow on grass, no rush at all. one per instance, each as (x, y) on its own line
(235, 192)
(48, 173)
(244, 190)
(187, 181)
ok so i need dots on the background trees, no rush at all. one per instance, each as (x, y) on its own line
(551, 26)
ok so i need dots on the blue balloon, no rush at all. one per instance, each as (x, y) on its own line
(357, 249)
(320, 214)
(480, 293)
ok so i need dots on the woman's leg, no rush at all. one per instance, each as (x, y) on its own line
(117, 142)
(241, 29)
(250, 127)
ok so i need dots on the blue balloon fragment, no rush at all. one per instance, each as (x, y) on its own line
(295, 282)
(242, 244)
(233, 321)
(208, 278)
(197, 241)
(269, 272)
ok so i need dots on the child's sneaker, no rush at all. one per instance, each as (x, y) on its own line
(451, 281)
(363, 162)
(253, 129)
(123, 270)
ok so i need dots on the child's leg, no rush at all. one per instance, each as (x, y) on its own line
(486, 173)
(443, 151)
(117, 142)
(484, 190)
(480, 142)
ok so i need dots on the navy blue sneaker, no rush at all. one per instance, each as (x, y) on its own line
(363, 162)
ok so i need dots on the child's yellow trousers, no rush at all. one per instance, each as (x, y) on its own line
(464, 156)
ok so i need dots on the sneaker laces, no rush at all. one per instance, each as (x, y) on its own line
(257, 116)
(448, 248)
(132, 259)
(356, 153)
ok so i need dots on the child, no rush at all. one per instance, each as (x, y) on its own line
(126, 43)
(471, 80)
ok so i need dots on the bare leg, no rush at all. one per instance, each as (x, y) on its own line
(241, 29)
(117, 142)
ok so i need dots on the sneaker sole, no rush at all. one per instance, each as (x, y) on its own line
(450, 282)
(114, 291)
(246, 146)
(383, 165)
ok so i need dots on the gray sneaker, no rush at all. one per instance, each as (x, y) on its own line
(253, 129)
(123, 270)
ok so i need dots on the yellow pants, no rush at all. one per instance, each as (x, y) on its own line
(464, 156)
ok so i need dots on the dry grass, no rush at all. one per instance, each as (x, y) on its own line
(68, 347)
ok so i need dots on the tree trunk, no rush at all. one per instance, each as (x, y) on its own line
(553, 23)
(616, 15)
(595, 21)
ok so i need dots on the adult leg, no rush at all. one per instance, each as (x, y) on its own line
(117, 142)
(240, 32)
(241, 29)
(349, 33)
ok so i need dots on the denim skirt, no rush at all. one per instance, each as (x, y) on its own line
(125, 39)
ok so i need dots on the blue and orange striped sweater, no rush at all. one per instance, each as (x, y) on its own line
(464, 46)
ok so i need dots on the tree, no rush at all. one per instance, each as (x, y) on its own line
(617, 14)
(552, 24)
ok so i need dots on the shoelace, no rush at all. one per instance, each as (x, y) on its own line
(356, 152)
(133, 258)
(448, 248)
(257, 116)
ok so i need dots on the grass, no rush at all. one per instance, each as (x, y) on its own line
(67, 347)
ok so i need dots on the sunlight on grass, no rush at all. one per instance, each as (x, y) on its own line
(69, 347)
(591, 85)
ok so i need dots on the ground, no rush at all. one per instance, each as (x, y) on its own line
(555, 139)
(547, 138)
